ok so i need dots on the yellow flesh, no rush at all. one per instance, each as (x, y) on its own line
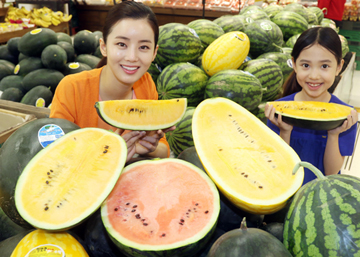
(241, 156)
(312, 110)
(69, 179)
(60, 241)
(143, 114)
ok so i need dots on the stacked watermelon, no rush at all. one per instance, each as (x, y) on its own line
(33, 65)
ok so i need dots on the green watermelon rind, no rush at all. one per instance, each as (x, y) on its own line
(290, 23)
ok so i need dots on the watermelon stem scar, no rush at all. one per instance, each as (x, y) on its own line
(311, 167)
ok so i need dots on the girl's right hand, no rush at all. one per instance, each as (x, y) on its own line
(131, 138)
(270, 114)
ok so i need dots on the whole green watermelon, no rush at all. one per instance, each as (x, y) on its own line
(265, 36)
(182, 80)
(236, 85)
(283, 60)
(181, 138)
(290, 23)
(324, 217)
(207, 31)
(230, 23)
(177, 43)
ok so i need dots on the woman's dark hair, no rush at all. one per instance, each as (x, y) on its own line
(325, 37)
(128, 10)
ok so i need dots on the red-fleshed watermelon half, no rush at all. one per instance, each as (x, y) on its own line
(161, 207)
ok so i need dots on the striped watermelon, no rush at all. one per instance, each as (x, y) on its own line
(177, 43)
(258, 15)
(292, 40)
(329, 23)
(154, 71)
(236, 85)
(269, 74)
(181, 138)
(245, 20)
(207, 31)
(230, 23)
(312, 18)
(182, 80)
(290, 23)
(250, 8)
(324, 217)
(265, 36)
(283, 60)
(297, 8)
(272, 10)
(318, 12)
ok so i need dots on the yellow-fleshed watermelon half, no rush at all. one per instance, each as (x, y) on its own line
(250, 164)
(39, 243)
(68, 180)
(163, 207)
(138, 114)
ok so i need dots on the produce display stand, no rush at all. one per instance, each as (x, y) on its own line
(92, 17)
(38, 112)
(62, 27)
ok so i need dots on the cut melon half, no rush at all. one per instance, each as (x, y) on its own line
(250, 164)
(140, 114)
(312, 115)
(164, 207)
(69, 179)
(43, 243)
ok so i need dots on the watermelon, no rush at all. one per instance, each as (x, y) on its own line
(154, 71)
(33, 42)
(6, 55)
(290, 23)
(323, 218)
(12, 94)
(250, 9)
(177, 43)
(269, 74)
(329, 23)
(164, 207)
(258, 15)
(8, 228)
(230, 23)
(282, 59)
(272, 10)
(85, 42)
(265, 36)
(297, 8)
(245, 20)
(63, 37)
(12, 81)
(181, 138)
(54, 57)
(344, 46)
(15, 154)
(182, 80)
(207, 31)
(312, 18)
(236, 85)
(28, 65)
(6, 68)
(12, 45)
(318, 12)
(292, 40)
(190, 155)
(69, 49)
(88, 59)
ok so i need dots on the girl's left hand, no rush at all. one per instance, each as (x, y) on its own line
(149, 142)
(348, 123)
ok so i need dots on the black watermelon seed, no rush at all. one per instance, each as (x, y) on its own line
(105, 151)
(133, 210)
(181, 223)
(246, 176)
(145, 224)
(206, 212)
(51, 171)
(47, 182)
(48, 173)
(106, 147)
(116, 209)
(46, 208)
(196, 204)
(134, 206)
(127, 203)
(163, 235)
(260, 187)
(137, 216)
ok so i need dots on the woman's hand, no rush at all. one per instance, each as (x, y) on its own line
(348, 123)
(270, 114)
(131, 138)
(149, 142)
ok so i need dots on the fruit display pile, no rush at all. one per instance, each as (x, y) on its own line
(32, 65)
(232, 188)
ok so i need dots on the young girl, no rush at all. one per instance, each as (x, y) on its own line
(129, 45)
(317, 59)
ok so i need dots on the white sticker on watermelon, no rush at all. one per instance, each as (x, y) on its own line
(265, 25)
(194, 33)
(49, 133)
(46, 250)
(289, 63)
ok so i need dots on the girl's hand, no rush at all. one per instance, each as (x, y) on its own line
(348, 123)
(131, 138)
(270, 114)
(149, 142)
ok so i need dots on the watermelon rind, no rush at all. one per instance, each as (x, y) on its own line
(185, 248)
(290, 23)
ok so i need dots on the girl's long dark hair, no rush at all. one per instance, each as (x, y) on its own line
(128, 10)
(325, 37)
